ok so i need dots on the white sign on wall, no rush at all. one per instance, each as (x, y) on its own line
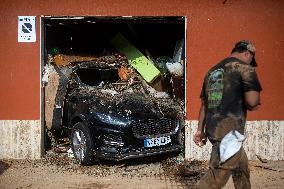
(26, 29)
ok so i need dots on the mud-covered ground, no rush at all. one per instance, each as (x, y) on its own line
(56, 170)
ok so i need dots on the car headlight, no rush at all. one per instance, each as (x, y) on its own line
(113, 120)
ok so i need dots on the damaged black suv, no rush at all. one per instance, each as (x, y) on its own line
(113, 119)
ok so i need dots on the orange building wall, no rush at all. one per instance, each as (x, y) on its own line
(212, 28)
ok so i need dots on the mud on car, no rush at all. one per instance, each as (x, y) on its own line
(108, 118)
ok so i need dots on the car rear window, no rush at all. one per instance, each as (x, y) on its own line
(94, 76)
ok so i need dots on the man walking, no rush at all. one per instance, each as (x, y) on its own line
(230, 88)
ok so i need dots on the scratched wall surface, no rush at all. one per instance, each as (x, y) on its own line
(264, 139)
(20, 139)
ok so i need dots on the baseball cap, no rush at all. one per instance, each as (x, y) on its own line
(247, 45)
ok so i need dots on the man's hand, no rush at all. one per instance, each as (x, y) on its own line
(199, 138)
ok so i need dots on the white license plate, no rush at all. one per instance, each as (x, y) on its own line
(158, 141)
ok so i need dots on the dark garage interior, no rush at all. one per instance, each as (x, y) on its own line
(91, 35)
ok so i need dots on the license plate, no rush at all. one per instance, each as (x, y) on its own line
(158, 141)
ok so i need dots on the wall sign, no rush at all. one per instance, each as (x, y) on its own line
(26, 29)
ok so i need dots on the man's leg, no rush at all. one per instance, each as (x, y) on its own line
(241, 176)
(218, 174)
(215, 177)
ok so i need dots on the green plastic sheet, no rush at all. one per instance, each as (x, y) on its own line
(143, 65)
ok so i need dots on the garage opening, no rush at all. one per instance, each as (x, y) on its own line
(152, 50)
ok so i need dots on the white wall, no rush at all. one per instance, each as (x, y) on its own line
(264, 138)
(23, 139)
(20, 139)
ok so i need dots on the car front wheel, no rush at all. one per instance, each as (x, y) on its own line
(82, 144)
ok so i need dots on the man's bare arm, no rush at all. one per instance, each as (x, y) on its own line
(252, 99)
(201, 117)
(199, 135)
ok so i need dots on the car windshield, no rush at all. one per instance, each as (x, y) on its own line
(94, 76)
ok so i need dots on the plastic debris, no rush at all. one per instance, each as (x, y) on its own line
(157, 94)
(70, 153)
(175, 68)
(179, 51)
(55, 50)
(110, 91)
(46, 70)
(147, 70)
(160, 62)
(178, 86)
(123, 73)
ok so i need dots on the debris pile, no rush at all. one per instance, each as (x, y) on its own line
(160, 80)
(188, 172)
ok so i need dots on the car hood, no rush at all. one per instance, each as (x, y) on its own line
(135, 106)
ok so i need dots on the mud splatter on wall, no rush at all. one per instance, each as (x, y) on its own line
(264, 139)
(20, 139)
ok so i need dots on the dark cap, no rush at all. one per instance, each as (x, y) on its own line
(247, 45)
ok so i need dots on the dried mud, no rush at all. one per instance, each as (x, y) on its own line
(163, 169)
(57, 170)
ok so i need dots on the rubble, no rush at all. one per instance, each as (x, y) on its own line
(175, 68)
(56, 78)
(124, 73)
(160, 62)
(25, 173)
(179, 51)
(51, 82)
(65, 60)
(125, 83)
(144, 66)
(155, 167)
